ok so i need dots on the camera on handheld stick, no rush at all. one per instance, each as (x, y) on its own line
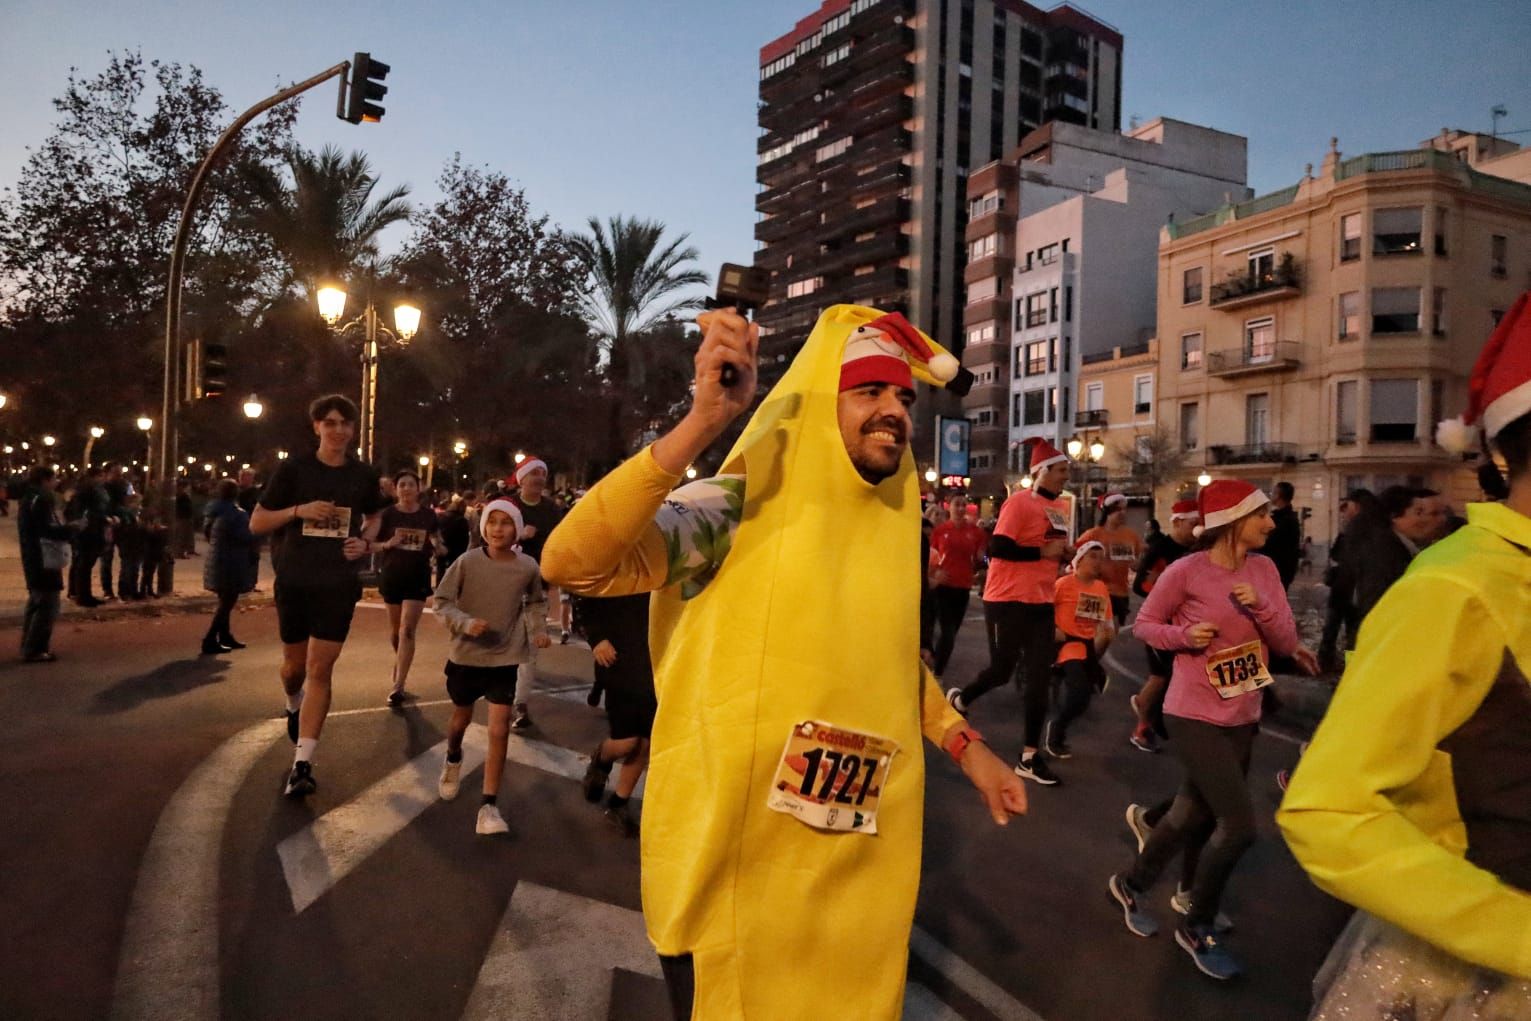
(744, 289)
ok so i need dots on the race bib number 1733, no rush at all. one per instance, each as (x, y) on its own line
(1237, 671)
(831, 778)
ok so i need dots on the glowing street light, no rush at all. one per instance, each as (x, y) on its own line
(520, 457)
(1075, 447)
(1097, 450)
(1204, 480)
(49, 441)
(253, 407)
(930, 475)
(191, 458)
(208, 467)
(4, 400)
(331, 300)
(332, 304)
(425, 460)
(281, 455)
(460, 448)
(690, 473)
(406, 319)
(96, 432)
(145, 423)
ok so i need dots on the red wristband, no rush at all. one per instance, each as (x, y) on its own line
(958, 742)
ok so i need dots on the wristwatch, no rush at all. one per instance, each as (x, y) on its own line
(958, 742)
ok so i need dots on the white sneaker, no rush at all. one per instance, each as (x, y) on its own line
(490, 821)
(954, 699)
(451, 780)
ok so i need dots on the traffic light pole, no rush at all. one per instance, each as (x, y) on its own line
(169, 453)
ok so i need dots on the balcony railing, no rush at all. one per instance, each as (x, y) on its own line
(1276, 356)
(1097, 418)
(1281, 281)
(1253, 453)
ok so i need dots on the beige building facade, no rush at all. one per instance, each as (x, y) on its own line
(1317, 334)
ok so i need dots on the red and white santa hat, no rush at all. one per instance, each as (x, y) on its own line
(1045, 455)
(883, 350)
(1184, 510)
(1224, 501)
(528, 466)
(500, 505)
(1109, 500)
(1085, 548)
(1499, 389)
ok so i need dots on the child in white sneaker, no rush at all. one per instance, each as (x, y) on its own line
(491, 601)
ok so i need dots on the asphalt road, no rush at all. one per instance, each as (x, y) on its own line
(149, 868)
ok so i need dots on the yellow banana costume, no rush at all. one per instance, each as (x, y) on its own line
(813, 616)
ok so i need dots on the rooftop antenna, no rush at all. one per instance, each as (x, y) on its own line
(1497, 112)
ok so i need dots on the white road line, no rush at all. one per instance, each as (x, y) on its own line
(969, 979)
(325, 851)
(920, 1004)
(168, 968)
(553, 955)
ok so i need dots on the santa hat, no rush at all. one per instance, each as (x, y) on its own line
(890, 350)
(1184, 509)
(1499, 389)
(499, 505)
(1085, 548)
(528, 466)
(1109, 500)
(1225, 501)
(1045, 455)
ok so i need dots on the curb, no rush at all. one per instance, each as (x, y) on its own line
(164, 606)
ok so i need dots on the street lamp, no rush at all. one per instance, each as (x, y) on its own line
(96, 432)
(1204, 480)
(429, 469)
(520, 457)
(930, 475)
(145, 423)
(690, 473)
(331, 300)
(4, 400)
(281, 455)
(49, 441)
(253, 407)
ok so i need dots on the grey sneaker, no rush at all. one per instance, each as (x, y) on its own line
(1139, 922)
(1208, 953)
(490, 822)
(1181, 903)
(451, 780)
(1137, 822)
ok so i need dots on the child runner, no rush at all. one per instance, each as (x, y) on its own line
(491, 601)
(1122, 548)
(618, 631)
(407, 537)
(1223, 613)
(1082, 616)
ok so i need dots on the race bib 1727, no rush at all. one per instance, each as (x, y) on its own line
(831, 778)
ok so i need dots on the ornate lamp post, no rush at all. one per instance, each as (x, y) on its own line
(406, 320)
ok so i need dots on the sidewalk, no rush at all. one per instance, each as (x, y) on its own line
(188, 597)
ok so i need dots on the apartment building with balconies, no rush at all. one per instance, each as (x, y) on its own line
(1316, 334)
(1063, 239)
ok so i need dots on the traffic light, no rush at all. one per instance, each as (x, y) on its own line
(365, 88)
(207, 370)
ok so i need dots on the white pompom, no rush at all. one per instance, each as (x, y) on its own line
(944, 367)
(1197, 530)
(1456, 435)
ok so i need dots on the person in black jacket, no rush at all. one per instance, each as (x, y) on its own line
(618, 631)
(1360, 514)
(1284, 545)
(87, 509)
(43, 550)
(1416, 519)
(228, 571)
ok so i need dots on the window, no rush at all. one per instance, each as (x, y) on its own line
(777, 65)
(1497, 244)
(1035, 407)
(981, 334)
(1396, 231)
(1142, 394)
(1015, 410)
(836, 23)
(986, 203)
(1347, 395)
(837, 54)
(983, 247)
(982, 290)
(1350, 315)
(1036, 357)
(1052, 404)
(1262, 264)
(1036, 309)
(1437, 400)
(1440, 230)
(1052, 305)
(830, 151)
(1438, 312)
(1191, 286)
(1257, 419)
(1190, 425)
(1350, 237)
(1068, 304)
(1259, 340)
(1395, 310)
(1190, 351)
(1394, 410)
(1019, 359)
(799, 288)
(1095, 397)
(1047, 254)
(1052, 354)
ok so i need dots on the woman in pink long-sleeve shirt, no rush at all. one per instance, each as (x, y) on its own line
(1223, 613)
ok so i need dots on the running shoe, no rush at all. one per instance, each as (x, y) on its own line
(230, 642)
(954, 699)
(1053, 743)
(1283, 777)
(395, 699)
(593, 700)
(521, 718)
(42, 657)
(1208, 952)
(292, 725)
(1132, 700)
(563, 638)
(451, 779)
(1034, 768)
(490, 821)
(622, 820)
(1137, 822)
(1181, 903)
(596, 774)
(1138, 922)
(1144, 739)
(301, 782)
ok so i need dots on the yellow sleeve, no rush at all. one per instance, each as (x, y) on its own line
(608, 544)
(1371, 812)
(937, 717)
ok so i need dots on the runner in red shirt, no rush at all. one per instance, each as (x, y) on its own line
(1122, 549)
(956, 550)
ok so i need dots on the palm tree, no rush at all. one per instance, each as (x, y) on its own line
(326, 222)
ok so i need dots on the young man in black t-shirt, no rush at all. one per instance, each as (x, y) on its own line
(540, 515)
(323, 508)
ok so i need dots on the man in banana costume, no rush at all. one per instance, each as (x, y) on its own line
(782, 824)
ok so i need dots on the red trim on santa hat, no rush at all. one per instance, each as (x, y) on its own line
(888, 369)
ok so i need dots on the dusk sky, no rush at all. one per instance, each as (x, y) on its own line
(648, 108)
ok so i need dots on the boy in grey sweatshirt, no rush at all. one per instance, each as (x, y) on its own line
(491, 601)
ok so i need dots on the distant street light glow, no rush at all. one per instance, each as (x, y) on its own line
(145, 423)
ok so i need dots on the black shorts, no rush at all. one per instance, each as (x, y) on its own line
(630, 703)
(494, 684)
(397, 586)
(314, 611)
(1119, 606)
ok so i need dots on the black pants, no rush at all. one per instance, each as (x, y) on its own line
(1019, 634)
(951, 608)
(1341, 613)
(1119, 605)
(82, 567)
(1076, 681)
(127, 575)
(219, 628)
(1212, 808)
(37, 624)
(680, 982)
(106, 568)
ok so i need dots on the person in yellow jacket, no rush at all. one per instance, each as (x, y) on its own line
(1414, 800)
(781, 829)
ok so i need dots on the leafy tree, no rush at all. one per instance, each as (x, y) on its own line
(1155, 456)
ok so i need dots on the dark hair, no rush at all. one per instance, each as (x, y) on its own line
(1285, 491)
(228, 489)
(39, 474)
(322, 406)
(1514, 443)
(1396, 500)
(402, 472)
